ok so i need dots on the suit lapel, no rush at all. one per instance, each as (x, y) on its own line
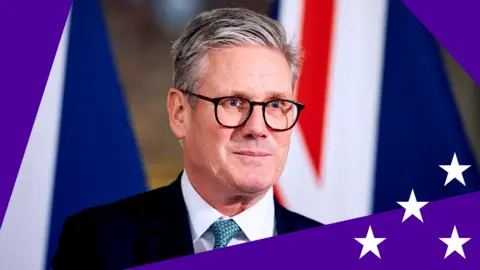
(166, 234)
(283, 224)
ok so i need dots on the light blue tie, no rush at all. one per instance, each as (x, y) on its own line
(224, 231)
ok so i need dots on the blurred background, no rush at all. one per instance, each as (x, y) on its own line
(385, 106)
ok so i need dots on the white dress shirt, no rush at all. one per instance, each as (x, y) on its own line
(257, 222)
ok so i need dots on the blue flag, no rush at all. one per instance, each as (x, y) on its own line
(98, 161)
(420, 126)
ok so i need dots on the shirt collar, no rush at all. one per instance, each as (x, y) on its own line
(257, 222)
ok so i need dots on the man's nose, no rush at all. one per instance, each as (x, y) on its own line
(255, 126)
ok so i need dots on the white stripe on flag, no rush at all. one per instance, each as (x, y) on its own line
(24, 235)
(354, 101)
(290, 15)
(353, 98)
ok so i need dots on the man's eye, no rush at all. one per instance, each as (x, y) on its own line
(275, 104)
(233, 102)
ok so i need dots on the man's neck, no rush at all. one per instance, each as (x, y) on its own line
(225, 200)
(232, 206)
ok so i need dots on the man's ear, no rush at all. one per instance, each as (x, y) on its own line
(178, 113)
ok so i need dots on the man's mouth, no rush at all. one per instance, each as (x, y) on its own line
(252, 153)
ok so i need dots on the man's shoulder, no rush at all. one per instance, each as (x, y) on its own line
(136, 207)
(114, 226)
(298, 221)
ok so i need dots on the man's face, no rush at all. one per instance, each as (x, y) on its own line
(249, 158)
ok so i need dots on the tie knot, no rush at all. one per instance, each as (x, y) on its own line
(224, 231)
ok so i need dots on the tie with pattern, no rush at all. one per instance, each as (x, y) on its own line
(224, 231)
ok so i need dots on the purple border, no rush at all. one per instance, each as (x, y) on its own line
(455, 26)
(29, 32)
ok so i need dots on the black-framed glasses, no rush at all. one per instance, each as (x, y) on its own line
(234, 111)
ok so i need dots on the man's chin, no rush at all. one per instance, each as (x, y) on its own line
(253, 184)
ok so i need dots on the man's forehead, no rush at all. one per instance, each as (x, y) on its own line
(253, 86)
(248, 71)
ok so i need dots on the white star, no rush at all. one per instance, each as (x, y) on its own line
(454, 170)
(455, 243)
(412, 207)
(370, 243)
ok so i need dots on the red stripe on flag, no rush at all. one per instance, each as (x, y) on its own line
(312, 86)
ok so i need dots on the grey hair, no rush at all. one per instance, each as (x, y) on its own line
(223, 28)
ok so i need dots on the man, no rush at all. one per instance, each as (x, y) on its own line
(232, 110)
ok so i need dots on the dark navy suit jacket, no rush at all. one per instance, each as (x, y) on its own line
(145, 228)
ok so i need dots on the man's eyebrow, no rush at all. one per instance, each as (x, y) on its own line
(268, 96)
(277, 95)
(239, 93)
